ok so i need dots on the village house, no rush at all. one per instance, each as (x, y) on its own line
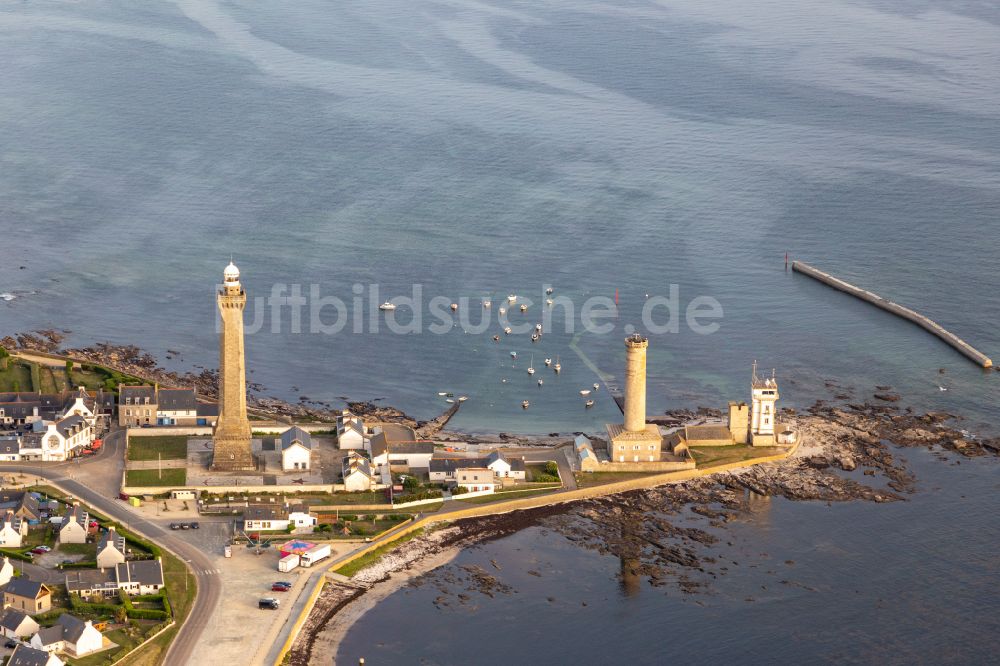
(276, 517)
(6, 570)
(27, 595)
(475, 479)
(12, 530)
(351, 435)
(296, 449)
(25, 655)
(17, 624)
(10, 448)
(139, 576)
(110, 549)
(23, 504)
(358, 474)
(585, 454)
(18, 411)
(70, 635)
(443, 470)
(75, 525)
(398, 447)
(155, 406)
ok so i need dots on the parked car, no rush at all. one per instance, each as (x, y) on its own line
(10, 644)
(268, 604)
(194, 526)
(123, 496)
(40, 550)
(278, 587)
(175, 526)
(185, 526)
(283, 582)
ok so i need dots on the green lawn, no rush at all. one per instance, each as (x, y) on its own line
(357, 498)
(153, 477)
(590, 479)
(16, 376)
(508, 495)
(88, 550)
(712, 456)
(162, 446)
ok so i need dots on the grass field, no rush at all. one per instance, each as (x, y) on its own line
(152, 477)
(712, 456)
(16, 376)
(166, 447)
(373, 556)
(590, 479)
(88, 550)
(508, 495)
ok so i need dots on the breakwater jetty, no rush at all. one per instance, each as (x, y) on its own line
(920, 320)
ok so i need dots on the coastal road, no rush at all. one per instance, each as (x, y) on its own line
(95, 482)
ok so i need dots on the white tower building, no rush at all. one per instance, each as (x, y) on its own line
(763, 411)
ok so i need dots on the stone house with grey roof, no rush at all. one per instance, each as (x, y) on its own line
(25, 655)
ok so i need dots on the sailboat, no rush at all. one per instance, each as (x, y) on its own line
(525, 404)
(513, 354)
(548, 362)
(540, 382)
(558, 366)
(531, 369)
(596, 386)
(588, 404)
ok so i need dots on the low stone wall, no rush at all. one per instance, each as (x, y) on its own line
(662, 466)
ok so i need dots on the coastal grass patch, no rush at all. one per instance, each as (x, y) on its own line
(15, 377)
(162, 447)
(712, 456)
(373, 556)
(88, 550)
(507, 495)
(591, 479)
(156, 477)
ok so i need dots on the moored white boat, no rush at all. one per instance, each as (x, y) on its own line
(387, 306)
(511, 298)
(548, 362)
(585, 392)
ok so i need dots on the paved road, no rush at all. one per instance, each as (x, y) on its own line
(95, 481)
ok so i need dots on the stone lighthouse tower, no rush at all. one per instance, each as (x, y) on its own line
(233, 452)
(634, 440)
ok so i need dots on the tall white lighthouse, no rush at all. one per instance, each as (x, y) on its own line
(763, 411)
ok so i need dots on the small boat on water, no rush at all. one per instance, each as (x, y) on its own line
(534, 337)
(442, 393)
(549, 290)
(525, 404)
(487, 304)
(540, 382)
(513, 354)
(531, 364)
(503, 310)
(588, 404)
(506, 330)
(548, 301)
(548, 362)
(496, 338)
(387, 306)
(454, 306)
(449, 400)
(450, 395)
(524, 308)
(596, 386)
(538, 327)
(463, 398)
(558, 366)
(511, 298)
(503, 381)
(585, 392)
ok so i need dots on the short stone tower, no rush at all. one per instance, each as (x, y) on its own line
(233, 452)
(763, 412)
(739, 422)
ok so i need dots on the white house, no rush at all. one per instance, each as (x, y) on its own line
(48, 639)
(442, 470)
(6, 571)
(398, 446)
(266, 517)
(74, 525)
(25, 655)
(358, 473)
(110, 549)
(80, 638)
(17, 624)
(12, 530)
(296, 449)
(352, 436)
(140, 576)
(476, 479)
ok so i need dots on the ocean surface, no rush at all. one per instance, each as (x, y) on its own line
(479, 149)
